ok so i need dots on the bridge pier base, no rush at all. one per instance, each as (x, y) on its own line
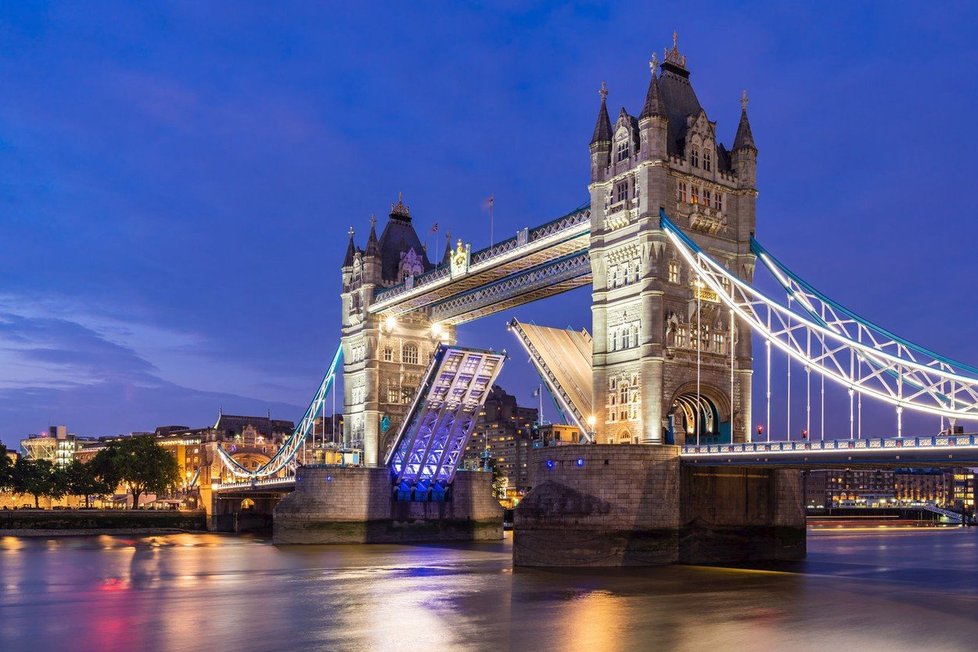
(608, 505)
(354, 505)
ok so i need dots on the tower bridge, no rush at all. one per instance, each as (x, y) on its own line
(667, 244)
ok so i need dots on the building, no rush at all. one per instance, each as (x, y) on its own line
(962, 490)
(504, 432)
(860, 488)
(922, 486)
(653, 324)
(56, 445)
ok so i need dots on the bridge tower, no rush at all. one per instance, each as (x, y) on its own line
(662, 359)
(383, 358)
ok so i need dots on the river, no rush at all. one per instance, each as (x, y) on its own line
(859, 590)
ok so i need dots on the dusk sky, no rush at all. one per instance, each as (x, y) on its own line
(177, 179)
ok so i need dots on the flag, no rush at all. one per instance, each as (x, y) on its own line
(434, 229)
(536, 392)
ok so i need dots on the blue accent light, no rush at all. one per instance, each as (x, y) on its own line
(329, 478)
(580, 461)
(550, 464)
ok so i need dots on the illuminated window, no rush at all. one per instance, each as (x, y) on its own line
(674, 271)
(409, 355)
(695, 195)
(622, 150)
(694, 157)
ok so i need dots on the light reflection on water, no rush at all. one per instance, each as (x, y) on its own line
(866, 590)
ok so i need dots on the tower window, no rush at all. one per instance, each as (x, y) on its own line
(718, 201)
(388, 354)
(696, 195)
(622, 150)
(410, 354)
(706, 197)
(694, 157)
(707, 159)
(621, 191)
(682, 191)
(674, 271)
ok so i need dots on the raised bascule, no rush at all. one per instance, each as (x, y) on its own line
(668, 245)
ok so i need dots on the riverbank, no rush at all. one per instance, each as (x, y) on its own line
(78, 522)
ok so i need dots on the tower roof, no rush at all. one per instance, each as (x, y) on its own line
(678, 96)
(351, 251)
(602, 130)
(653, 97)
(398, 238)
(744, 138)
(372, 245)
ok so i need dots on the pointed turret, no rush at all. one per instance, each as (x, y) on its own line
(602, 130)
(447, 258)
(744, 138)
(351, 251)
(653, 97)
(372, 248)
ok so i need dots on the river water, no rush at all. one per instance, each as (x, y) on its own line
(859, 590)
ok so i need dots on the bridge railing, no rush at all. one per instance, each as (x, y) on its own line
(924, 441)
(255, 483)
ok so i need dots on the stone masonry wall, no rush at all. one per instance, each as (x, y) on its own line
(355, 505)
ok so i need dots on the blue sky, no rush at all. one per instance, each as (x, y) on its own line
(177, 180)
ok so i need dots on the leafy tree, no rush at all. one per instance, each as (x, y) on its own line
(80, 479)
(37, 478)
(6, 470)
(138, 462)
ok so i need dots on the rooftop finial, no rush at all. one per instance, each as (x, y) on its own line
(654, 64)
(350, 231)
(373, 220)
(743, 101)
(603, 92)
(672, 56)
(399, 209)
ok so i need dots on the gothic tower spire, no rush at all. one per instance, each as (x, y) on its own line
(744, 137)
(602, 130)
(372, 247)
(351, 251)
(653, 97)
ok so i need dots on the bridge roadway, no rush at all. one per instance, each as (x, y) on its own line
(872, 452)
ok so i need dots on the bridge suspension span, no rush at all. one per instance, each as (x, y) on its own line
(835, 342)
(285, 456)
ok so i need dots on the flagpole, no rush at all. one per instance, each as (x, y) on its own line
(491, 202)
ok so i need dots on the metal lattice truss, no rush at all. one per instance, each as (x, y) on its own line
(470, 273)
(563, 359)
(432, 439)
(285, 456)
(548, 279)
(833, 342)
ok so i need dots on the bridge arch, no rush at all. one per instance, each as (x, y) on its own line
(707, 404)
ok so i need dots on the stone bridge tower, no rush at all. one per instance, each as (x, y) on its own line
(654, 325)
(383, 358)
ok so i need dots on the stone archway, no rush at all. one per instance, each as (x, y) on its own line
(705, 413)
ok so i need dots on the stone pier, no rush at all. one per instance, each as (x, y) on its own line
(354, 505)
(615, 505)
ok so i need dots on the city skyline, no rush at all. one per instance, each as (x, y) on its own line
(173, 241)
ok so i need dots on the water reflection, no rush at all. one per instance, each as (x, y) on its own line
(874, 590)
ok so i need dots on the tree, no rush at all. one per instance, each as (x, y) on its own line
(37, 478)
(6, 470)
(138, 462)
(80, 479)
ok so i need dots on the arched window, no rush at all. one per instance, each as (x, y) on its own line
(622, 150)
(694, 157)
(409, 354)
(388, 354)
